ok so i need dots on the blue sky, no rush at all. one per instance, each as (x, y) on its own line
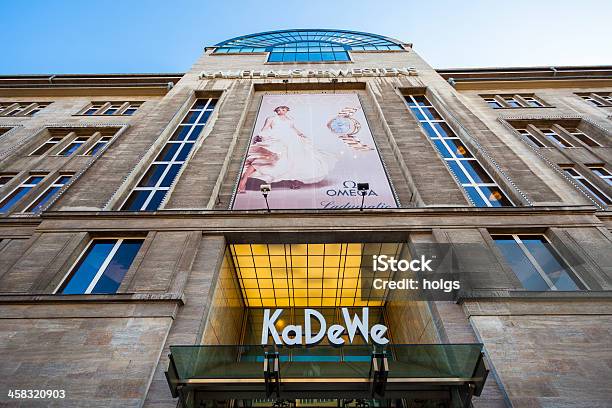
(167, 36)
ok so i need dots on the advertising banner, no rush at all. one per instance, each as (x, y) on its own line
(312, 149)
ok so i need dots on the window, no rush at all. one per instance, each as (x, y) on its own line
(556, 138)
(153, 186)
(49, 193)
(533, 102)
(45, 147)
(599, 99)
(492, 102)
(98, 145)
(477, 183)
(21, 190)
(101, 268)
(115, 108)
(5, 178)
(578, 134)
(307, 45)
(532, 139)
(580, 179)
(22, 108)
(602, 173)
(73, 146)
(513, 101)
(536, 263)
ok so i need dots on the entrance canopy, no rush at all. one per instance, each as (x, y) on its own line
(449, 373)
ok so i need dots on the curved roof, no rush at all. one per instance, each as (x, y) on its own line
(348, 40)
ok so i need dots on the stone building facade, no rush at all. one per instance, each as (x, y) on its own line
(542, 135)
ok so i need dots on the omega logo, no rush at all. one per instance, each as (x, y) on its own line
(294, 334)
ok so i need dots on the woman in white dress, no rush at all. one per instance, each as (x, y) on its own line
(281, 152)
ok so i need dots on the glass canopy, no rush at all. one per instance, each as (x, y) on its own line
(307, 45)
(308, 275)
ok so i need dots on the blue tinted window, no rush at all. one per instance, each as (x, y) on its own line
(136, 200)
(170, 176)
(88, 267)
(156, 200)
(153, 175)
(154, 185)
(184, 151)
(275, 57)
(168, 152)
(180, 133)
(549, 261)
(117, 268)
(11, 200)
(42, 200)
(102, 267)
(317, 45)
(520, 264)
(536, 263)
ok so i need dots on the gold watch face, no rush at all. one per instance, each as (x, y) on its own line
(343, 125)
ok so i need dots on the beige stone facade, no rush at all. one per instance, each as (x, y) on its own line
(544, 349)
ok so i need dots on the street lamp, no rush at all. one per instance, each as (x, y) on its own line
(362, 189)
(265, 189)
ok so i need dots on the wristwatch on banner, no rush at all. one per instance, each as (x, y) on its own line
(345, 126)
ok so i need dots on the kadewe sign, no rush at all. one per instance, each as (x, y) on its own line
(292, 335)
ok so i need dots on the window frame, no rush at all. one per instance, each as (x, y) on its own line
(73, 268)
(29, 207)
(25, 185)
(48, 141)
(551, 286)
(586, 184)
(606, 178)
(100, 108)
(454, 158)
(153, 190)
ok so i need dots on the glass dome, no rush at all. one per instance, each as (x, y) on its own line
(307, 45)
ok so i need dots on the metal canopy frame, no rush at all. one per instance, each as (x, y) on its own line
(456, 392)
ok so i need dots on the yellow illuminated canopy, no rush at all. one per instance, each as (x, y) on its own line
(307, 275)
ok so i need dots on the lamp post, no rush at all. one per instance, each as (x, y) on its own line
(362, 188)
(265, 189)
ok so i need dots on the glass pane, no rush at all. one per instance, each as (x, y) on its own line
(42, 200)
(12, 199)
(458, 148)
(444, 130)
(136, 200)
(181, 133)
(476, 171)
(168, 152)
(520, 264)
(432, 114)
(113, 275)
(155, 202)
(205, 116)
(96, 148)
(171, 175)
(472, 192)
(200, 104)
(549, 261)
(88, 266)
(196, 131)
(275, 57)
(496, 197)
(71, 149)
(191, 117)
(184, 152)
(458, 171)
(152, 175)
(442, 148)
